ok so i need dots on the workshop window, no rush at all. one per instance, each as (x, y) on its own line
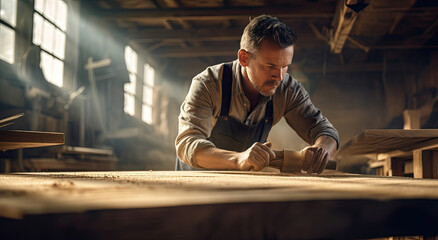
(8, 20)
(131, 60)
(49, 31)
(148, 93)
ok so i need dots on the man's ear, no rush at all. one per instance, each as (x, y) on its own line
(243, 57)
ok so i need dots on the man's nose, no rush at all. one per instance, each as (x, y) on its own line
(278, 74)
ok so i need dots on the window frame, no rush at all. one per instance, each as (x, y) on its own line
(133, 94)
(146, 85)
(14, 29)
(43, 50)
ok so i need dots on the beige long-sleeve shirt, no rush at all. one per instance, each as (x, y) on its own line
(202, 107)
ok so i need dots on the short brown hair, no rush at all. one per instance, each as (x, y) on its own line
(265, 26)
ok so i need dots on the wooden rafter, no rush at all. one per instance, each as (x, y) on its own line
(198, 52)
(317, 11)
(201, 35)
(343, 23)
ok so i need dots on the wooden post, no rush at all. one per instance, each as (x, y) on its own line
(418, 163)
(387, 168)
(425, 163)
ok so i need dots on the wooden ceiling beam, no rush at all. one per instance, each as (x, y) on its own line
(319, 10)
(234, 34)
(149, 35)
(195, 52)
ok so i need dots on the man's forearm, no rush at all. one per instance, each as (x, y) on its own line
(215, 158)
(328, 143)
(254, 158)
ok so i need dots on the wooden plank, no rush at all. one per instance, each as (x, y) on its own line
(14, 139)
(387, 140)
(226, 205)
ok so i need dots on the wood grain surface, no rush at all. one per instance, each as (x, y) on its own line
(215, 205)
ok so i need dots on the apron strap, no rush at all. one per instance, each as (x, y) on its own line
(227, 81)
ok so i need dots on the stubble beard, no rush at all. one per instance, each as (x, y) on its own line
(263, 93)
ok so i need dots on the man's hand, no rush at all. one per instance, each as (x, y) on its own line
(315, 159)
(256, 157)
(317, 156)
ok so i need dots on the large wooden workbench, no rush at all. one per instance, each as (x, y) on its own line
(214, 205)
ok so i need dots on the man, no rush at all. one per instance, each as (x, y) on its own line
(230, 108)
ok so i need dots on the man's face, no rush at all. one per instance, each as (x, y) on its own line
(267, 67)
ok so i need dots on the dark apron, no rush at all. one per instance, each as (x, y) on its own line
(230, 134)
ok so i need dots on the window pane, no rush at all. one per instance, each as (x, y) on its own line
(48, 36)
(58, 71)
(146, 115)
(47, 66)
(131, 59)
(61, 15)
(59, 44)
(147, 95)
(39, 5)
(149, 75)
(8, 11)
(7, 44)
(50, 9)
(129, 104)
(37, 29)
(130, 87)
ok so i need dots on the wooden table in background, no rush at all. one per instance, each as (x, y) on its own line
(399, 152)
(214, 205)
(14, 139)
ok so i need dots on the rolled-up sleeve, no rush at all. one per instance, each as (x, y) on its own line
(304, 117)
(195, 119)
